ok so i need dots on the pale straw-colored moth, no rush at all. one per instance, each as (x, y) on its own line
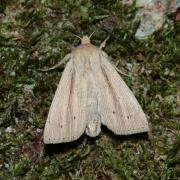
(91, 93)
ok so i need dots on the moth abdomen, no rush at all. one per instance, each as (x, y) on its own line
(93, 127)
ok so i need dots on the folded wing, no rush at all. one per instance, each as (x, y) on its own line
(119, 108)
(66, 119)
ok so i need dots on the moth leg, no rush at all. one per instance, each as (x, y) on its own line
(119, 71)
(63, 61)
(103, 44)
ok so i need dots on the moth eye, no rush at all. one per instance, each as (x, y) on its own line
(74, 117)
(128, 117)
(114, 112)
(61, 126)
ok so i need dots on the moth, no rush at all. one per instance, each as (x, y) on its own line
(91, 93)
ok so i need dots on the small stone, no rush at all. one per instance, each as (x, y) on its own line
(10, 129)
(129, 66)
(38, 130)
(6, 165)
(13, 73)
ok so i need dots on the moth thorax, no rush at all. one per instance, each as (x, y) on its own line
(85, 40)
(93, 127)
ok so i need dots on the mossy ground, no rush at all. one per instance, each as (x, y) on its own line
(37, 34)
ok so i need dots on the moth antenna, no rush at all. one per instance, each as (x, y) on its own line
(76, 36)
(91, 34)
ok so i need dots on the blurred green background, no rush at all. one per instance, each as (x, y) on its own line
(38, 34)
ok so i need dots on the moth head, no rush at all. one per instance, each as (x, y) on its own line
(85, 40)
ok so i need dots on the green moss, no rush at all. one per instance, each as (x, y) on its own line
(38, 34)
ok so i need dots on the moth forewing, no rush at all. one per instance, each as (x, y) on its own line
(120, 110)
(66, 119)
(89, 93)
